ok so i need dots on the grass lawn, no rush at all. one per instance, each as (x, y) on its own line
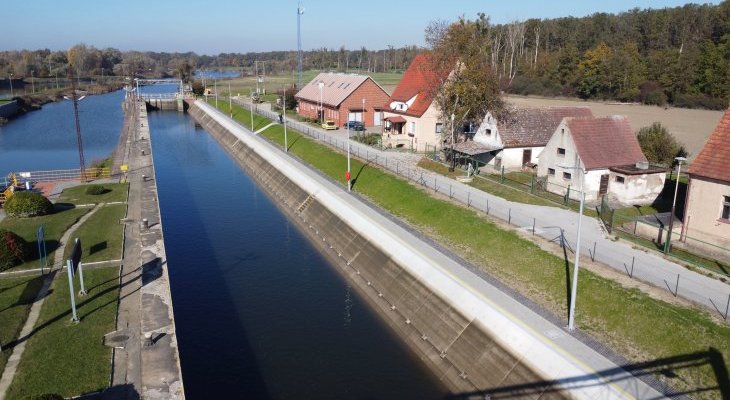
(67, 358)
(16, 297)
(77, 194)
(637, 326)
(55, 225)
(101, 235)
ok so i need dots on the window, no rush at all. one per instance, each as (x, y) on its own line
(619, 179)
(726, 208)
(551, 171)
(567, 176)
(561, 151)
(489, 132)
(439, 127)
(412, 127)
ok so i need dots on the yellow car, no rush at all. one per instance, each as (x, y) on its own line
(329, 125)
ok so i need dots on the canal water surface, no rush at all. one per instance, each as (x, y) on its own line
(259, 312)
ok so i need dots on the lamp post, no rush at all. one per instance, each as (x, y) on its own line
(347, 175)
(453, 161)
(576, 263)
(11, 86)
(215, 87)
(230, 99)
(320, 112)
(667, 243)
(286, 142)
(32, 80)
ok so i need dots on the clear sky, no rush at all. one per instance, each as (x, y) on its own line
(233, 26)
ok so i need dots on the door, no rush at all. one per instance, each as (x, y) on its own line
(603, 189)
(526, 156)
(376, 118)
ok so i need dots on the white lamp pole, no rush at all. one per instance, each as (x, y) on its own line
(230, 99)
(215, 87)
(32, 80)
(321, 112)
(349, 184)
(667, 243)
(363, 112)
(576, 263)
(286, 142)
(12, 94)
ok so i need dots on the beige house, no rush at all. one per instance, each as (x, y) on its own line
(411, 119)
(707, 209)
(605, 153)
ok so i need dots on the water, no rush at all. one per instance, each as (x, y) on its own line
(259, 312)
(46, 139)
(210, 74)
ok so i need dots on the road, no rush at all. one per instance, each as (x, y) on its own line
(548, 222)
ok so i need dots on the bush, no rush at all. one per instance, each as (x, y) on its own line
(659, 146)
(27, 204)
(12, 249)
(699, 101)
(95, 190)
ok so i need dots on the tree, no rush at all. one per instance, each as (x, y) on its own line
(593, 71)
(659, 146)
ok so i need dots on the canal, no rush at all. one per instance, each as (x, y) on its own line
(259, 312)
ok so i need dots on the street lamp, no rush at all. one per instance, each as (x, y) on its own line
(574, 287)
(321, 112)
(667, 243)
(215, 87)
(347, 174)
(32, 80)
(11, 86)
(230, 99)
(286, 142)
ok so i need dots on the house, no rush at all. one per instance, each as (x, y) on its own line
(341, 98)
(605, 153)
(707, 208)
(412, 119)
(516, 138)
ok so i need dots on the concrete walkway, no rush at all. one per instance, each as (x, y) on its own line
(35, 310)
(549, 222)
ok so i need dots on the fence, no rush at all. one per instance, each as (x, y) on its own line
(643, 266)
(57, 175)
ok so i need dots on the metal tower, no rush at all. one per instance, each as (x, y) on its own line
(82, 163)
(300, 11)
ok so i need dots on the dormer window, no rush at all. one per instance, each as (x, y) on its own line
(488, 132)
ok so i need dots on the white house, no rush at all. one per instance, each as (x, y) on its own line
(605, 153)
(411, 118)
(517, 138)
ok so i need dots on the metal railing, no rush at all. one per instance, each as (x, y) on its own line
(58, 175)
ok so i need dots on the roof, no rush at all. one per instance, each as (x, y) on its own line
(396, 119)
(472, 148)
(714, 158)
(605, 142)
(419, 81)
(633, 169)
(336, 87)
(533, 127)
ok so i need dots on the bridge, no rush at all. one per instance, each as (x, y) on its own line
(161, 99)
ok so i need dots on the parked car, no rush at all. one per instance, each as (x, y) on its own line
(354, 125)
(329, 125)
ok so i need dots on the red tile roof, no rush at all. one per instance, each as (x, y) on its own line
(421, 81)
(714, 158)
(336, 87)
(605, 142)
(532, 127)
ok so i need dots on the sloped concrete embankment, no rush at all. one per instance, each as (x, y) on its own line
(469, 343)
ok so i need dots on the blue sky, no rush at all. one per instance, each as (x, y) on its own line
(215, 26)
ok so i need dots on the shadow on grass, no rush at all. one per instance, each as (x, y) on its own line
(665, 367)
(29, 294)
(354, 180)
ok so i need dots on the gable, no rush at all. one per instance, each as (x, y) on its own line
(713, 161)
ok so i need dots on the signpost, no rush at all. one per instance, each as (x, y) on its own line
(42, 253)
(71, 264)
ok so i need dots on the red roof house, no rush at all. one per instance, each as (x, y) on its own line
(341, 98)
(603, 156)
(707, 209)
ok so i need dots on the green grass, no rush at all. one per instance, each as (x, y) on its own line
(55, 225)
(101, 235)
(636, 325)
(77, 194)
(16, 297)
(67, 358)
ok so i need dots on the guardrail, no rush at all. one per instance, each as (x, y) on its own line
(159, 96)
(58, 175)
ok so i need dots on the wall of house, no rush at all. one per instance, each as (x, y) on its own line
(703, 212)
(309, 109)
(636, 189)
(374, 97)
(424, 134)
(549, 158)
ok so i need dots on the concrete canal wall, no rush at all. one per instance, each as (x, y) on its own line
(8, 109)
(475, 338)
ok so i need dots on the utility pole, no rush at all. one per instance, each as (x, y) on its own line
(300, 11)
(79, 142)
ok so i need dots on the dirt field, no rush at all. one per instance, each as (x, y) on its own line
(691, 127)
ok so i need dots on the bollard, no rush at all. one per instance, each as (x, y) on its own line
(533, 226)
(143, 152)
(449, 190)
(468, 199)
(148, 339)
(145, 223)
(144, 178)
(509, 217)
(487, 206)
(676, 287)
(593, 255)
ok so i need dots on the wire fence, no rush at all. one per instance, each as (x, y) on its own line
(635, 263)
(55, 175)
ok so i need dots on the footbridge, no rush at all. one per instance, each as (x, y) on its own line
(163, 94)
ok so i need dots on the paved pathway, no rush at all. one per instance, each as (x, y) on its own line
(35, 310)
(549, 222)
